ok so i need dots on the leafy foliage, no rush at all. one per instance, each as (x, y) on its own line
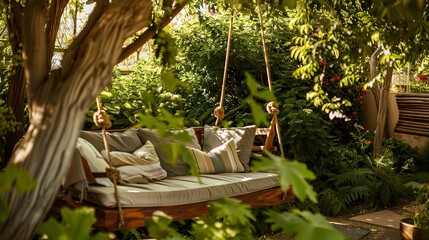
(421, 216)
(75, 224)
(202, 46)
(303, 225)
(145, 90)
(336, 39)
(14, 177)
(292, 173)
(159, 227)
(403, 155)
(353, 177)
(7, 120)
(229, 219)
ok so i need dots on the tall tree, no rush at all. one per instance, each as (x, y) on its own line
(16, 91)
(58, 99)
(352, 34)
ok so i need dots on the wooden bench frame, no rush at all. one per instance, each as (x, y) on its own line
(108, 218)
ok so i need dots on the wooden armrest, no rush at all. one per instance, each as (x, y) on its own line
(100, 174)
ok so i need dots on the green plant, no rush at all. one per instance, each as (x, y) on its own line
(354, 177)
(9, 177)
(75, 224)
(403, 155)
(421, 216)
(144, 90)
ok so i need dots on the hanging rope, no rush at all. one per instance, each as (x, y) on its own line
(272, 107)
(220, 111)
(102, 121)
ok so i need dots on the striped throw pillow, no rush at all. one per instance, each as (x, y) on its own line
(222, 159)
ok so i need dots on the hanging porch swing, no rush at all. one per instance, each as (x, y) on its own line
(128, 206)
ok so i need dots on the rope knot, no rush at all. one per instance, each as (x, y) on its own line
(113, 174)
(273, 108)
(219, 112)
(101, 119)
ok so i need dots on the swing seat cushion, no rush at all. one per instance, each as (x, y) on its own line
(183, 189)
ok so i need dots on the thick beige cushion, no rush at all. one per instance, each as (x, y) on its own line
(183, 189)
(180, 168)
(95, 160)
(243, 138)
(127, 141)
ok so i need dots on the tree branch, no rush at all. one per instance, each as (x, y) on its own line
(149, 33)
(373, 75)
(34, 46)
(382, 111)
(56, 10)
(92, 20)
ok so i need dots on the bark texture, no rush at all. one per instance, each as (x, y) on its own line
(382, 112)
(373, 71)
(16, 92)
(58, 100)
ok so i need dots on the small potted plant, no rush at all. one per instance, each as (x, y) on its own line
(417, 226)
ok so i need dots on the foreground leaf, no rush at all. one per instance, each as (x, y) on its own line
(75, 224)
(304, 225)
(159, 227)
(292, 173)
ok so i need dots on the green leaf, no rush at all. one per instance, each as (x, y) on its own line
(127, 105)
(14, 176)
(303, 225)
(169, 80)
(4, 211)
(174, 151)
(259, 114)
(255, 91)
(75, 224)
(232, 210)
(106, 94)
(159, 226)
(292, 173)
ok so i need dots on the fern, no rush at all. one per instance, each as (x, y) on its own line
(353, 177)
(352, 194)
(331, 203)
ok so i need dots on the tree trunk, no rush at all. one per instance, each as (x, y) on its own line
(58, 101)
(150, 32)
(373, 71)
(16, 91)
(16, 101)
(382, 111)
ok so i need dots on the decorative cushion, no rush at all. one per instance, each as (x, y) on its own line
(178, 169)
(141, 167)
(242, 136)
(95, 160)
(126, 141)
(222, 159)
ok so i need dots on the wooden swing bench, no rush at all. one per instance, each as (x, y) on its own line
(181, 197)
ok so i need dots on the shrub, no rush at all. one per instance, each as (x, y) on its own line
(141, 91)
(403, 155)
